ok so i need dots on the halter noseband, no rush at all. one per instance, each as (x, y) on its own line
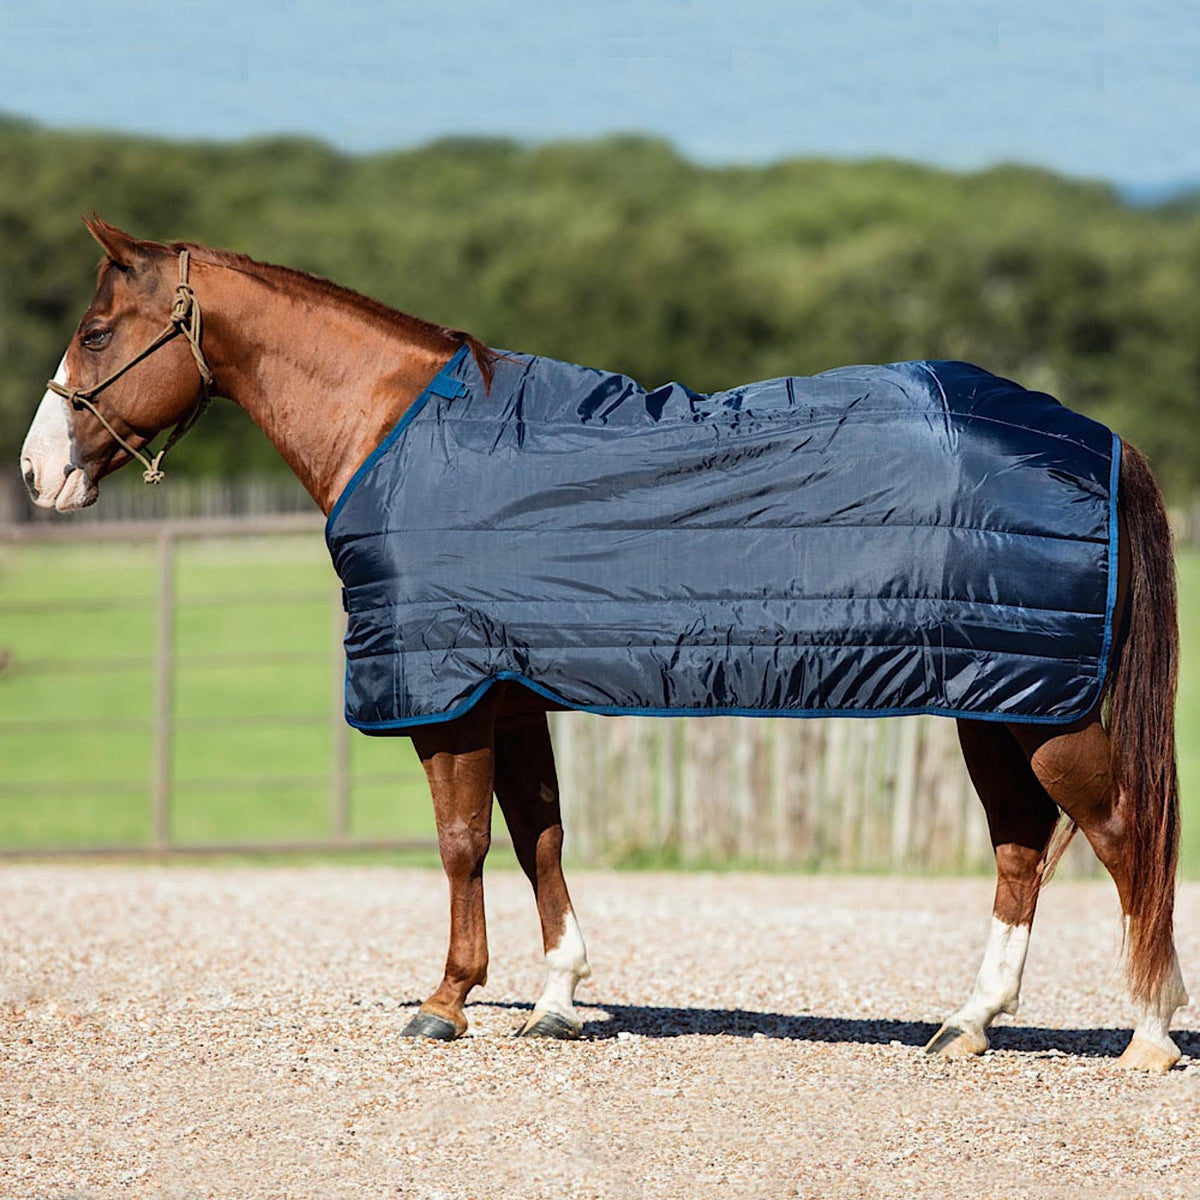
(186, 320)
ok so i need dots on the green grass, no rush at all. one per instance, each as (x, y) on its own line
(243, 781)
(234, 781)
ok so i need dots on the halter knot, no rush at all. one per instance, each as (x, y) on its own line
(181, 307)
(185, 317)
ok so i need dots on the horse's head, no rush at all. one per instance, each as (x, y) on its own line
(110, 396)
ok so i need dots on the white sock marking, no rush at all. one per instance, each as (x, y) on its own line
(998, 984)
(1154, 1020)
(566, 965)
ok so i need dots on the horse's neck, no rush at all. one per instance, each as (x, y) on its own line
(325, 383)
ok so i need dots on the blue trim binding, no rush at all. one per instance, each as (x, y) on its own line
(613, 710)
(1114, 533)
(442, 384)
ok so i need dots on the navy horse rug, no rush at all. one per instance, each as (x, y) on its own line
(919, 537)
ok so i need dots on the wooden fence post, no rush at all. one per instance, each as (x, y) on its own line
(835, 794)
(667, 791)
(164, 691)
(339, 767)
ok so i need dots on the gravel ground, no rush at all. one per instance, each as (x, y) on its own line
(195, 1032)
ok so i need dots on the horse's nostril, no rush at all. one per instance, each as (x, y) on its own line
(30, 478)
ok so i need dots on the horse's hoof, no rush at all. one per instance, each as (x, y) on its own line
(549, 1025)
(427, 1025)
(1143, 1055)
(951, 1041)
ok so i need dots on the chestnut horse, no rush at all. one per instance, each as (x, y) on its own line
(326, 373)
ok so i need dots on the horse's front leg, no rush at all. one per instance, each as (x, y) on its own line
(527, 788)
(459, 764)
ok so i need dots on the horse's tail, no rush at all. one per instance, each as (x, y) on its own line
(1142, 728)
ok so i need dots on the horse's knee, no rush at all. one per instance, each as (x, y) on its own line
(463, 849)
(1015, 861)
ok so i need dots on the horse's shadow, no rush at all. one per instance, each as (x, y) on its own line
(655, 1022)
(652, 1021)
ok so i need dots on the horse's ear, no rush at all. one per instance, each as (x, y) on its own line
(120, 246)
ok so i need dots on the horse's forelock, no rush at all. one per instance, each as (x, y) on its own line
(108, 272)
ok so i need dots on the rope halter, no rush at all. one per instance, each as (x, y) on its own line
(186, 319)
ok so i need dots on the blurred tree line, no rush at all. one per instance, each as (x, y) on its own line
(620, 253)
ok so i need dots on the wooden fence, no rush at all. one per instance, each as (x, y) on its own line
(165, 726)
(832, 794)
(128, 501)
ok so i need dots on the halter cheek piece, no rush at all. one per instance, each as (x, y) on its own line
(186, 320)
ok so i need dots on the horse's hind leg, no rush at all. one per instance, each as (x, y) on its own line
(458, 761)
(527, 788)
(1074, 766)
(1021, 819)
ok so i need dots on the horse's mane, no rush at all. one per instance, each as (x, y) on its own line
(286, 278)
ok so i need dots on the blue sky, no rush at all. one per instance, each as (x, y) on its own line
(1109, 90)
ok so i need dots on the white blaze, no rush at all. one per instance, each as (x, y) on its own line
(46, 454)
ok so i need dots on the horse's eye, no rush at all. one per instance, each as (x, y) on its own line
(96, 339)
